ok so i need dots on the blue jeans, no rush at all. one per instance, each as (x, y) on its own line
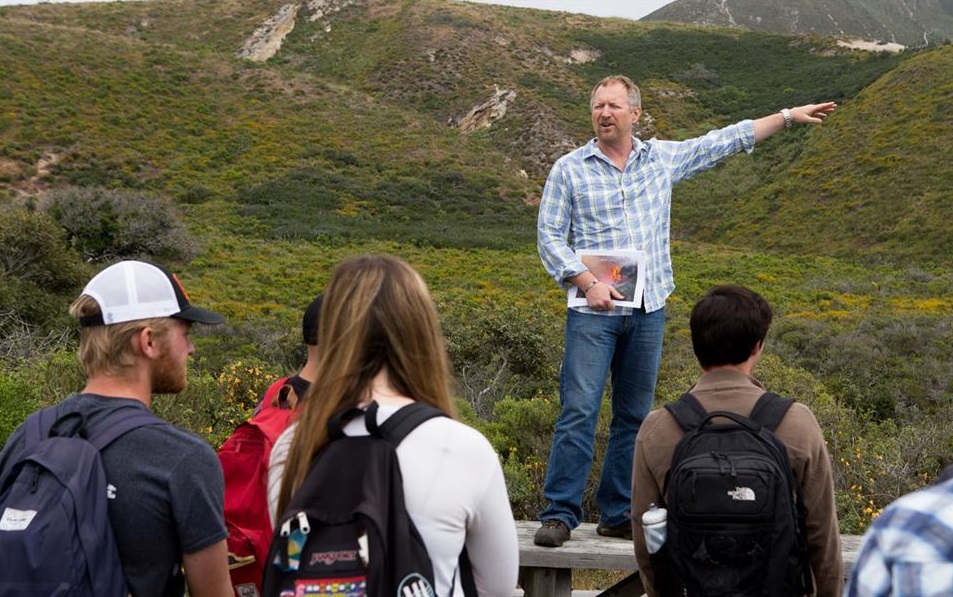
(629, 347)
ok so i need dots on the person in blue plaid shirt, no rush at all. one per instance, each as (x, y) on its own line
(908, 550)
(615, 193)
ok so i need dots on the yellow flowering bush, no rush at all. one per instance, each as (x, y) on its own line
(243, 381)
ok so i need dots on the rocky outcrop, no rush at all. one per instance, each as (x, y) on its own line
(15, 175)
(267, 39)
(488, 112)
(324, 8)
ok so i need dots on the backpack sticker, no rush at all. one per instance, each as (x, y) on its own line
(414, 585)
(16, 520)
(247, 590)
(331, 587)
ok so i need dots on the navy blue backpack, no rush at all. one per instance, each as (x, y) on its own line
(55, 534)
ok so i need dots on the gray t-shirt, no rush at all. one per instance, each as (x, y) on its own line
(166, 493)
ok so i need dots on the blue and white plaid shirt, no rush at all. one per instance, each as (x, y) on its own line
(908, 550)
(589, 204)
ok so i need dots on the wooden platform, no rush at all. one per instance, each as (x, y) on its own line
(547, 571)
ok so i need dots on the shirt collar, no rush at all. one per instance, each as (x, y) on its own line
(724, 379)
(592, 149)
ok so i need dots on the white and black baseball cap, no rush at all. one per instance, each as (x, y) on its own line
(133, 290)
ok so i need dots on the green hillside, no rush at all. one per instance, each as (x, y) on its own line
(349, 139)
(356, 105)
(884, 195)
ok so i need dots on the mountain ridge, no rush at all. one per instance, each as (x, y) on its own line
(927, 22)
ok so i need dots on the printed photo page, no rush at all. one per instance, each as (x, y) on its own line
(623, 269)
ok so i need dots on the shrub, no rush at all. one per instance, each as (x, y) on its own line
(521, 432)
(874, 462)
(21, 341)
(201, 409)
(106, 224)
(17, 400)
(243, 382)
(39, 273)
(502, 352)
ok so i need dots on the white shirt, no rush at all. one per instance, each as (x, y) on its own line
(454, 491)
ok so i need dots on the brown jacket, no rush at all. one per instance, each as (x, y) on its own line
(726, 389)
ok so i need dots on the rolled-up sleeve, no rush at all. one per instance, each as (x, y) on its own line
(554, 225)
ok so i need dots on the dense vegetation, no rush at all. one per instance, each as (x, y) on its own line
(260, 177)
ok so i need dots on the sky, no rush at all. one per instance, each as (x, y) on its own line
(629, 9)
(13, 2)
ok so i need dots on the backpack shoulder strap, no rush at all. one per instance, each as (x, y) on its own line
(770, 409)
(338, 420)
(401, 423)
(37, 426)
(466, 575)
(687, 411)
(119, 422)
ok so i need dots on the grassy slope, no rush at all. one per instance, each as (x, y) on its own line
(285, 167)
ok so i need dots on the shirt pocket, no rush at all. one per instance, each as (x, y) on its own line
(598, 208)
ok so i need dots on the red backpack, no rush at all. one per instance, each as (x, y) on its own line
(244, 457)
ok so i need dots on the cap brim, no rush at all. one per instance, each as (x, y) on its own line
(199, 315)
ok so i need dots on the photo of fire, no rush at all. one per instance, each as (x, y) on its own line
(616, 271)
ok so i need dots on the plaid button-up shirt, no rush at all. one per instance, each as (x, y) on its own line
(588, 203)
(908, 550)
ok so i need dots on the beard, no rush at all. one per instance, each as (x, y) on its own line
(168, 375)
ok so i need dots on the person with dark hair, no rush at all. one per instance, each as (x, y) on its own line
(381, 342)
(728, 329)
(286, 392)
(615, 193)
(165, 485)
(245, 458)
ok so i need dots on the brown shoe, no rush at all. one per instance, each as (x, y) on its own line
(623, 531)
(553, 533)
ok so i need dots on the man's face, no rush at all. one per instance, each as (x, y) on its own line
(169, 370)
(612, 117)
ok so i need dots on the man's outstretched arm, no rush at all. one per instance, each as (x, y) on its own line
(808, 114)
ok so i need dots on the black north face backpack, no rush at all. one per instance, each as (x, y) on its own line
(735, 520)
(346, 530)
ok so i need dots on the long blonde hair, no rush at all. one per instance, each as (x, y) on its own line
(377, 313)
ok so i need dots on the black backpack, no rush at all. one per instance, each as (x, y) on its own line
(735, 518)
(346, 530)
(55, 534)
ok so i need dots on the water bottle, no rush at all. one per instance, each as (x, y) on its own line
(653, 525)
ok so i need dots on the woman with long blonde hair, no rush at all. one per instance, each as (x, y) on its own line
(380, 340)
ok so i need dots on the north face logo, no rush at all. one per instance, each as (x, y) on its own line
(742, 494)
